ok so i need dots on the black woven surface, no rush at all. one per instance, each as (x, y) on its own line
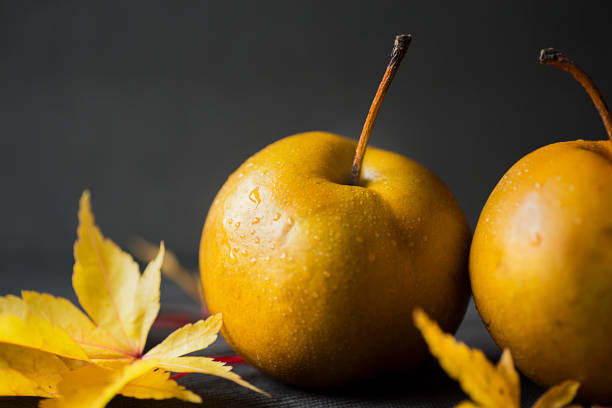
(426, 386)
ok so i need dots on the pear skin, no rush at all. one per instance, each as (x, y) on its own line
(317, 278)
(541, 265)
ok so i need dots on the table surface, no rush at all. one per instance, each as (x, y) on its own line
(425, 386)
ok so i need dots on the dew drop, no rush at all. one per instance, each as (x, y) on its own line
(252, 260)
(230, 221)
(231, 254)
(272, 246)
(326, 274)
(254, 196)
(290, 221)
(237, 225)
(276, 217)
(244, 252)
(537, 185)
(257, 240)
(283, 255)
(267, 258)
(242, 235)
(255, 220)
(535, 239)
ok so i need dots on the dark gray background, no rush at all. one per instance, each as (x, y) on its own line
(152, 104)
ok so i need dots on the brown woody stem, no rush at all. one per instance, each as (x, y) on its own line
(550, 56)
(399, 50)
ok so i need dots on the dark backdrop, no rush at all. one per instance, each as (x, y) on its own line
(152, 104)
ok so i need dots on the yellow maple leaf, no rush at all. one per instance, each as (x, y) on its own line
(30, 372)
(157, 384)
(84, 359)
(188, 338)
(109, 285)
(558, 396)
(94, 386)
(95, 341)
(187, 280)
(489, 386)
(19, 326)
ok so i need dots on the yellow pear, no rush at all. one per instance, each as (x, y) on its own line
(541, 259)
(317, 269)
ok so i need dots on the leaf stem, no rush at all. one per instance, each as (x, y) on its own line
(397, 54)
(550, 56)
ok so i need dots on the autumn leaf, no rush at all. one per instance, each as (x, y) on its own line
(94, 340)
(157, 385)
(84, 359)
(20, 326)
(187, 280)
(30, 372)
(109, 285)
(489, 386)
(558, 396)
(94, 386)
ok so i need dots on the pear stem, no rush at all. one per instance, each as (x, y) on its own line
(397, 54)
(550, 56)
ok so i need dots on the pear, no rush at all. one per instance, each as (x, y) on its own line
(541, 258)
(316, 255)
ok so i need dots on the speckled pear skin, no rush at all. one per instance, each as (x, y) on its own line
(541, 265)
(317, 279)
